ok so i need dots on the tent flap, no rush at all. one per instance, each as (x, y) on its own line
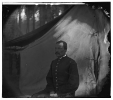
(37, 33)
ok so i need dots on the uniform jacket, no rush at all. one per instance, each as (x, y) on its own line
(63, 76)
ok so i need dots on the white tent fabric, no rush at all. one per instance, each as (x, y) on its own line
(77, 28)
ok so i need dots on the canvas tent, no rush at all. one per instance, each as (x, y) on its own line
(84, 29)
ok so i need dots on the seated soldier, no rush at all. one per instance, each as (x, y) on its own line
(62, 78)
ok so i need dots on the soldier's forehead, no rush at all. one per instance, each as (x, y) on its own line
(60, 44)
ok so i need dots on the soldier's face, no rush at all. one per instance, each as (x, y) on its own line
(59, 50)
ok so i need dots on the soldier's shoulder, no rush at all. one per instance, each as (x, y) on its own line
(71, 60)
(54, 60)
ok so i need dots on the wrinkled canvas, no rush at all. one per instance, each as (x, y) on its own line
(84, 29)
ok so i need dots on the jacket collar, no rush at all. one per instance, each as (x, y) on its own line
(62, 57)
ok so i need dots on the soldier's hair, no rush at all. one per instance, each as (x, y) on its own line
(64, 44)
